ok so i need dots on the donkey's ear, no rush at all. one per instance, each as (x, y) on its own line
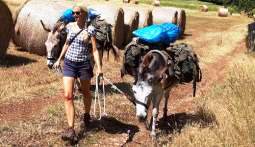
(147, 60)
(44, 27)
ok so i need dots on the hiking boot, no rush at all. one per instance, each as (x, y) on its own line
(85, 120)
(69, 135)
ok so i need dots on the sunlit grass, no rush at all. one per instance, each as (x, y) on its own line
(232, 104)
(188, 4)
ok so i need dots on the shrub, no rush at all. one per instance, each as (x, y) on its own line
(246, 6)
(219, 2)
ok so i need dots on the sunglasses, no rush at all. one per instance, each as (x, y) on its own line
(76, 13)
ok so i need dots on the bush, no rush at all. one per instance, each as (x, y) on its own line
(244, 5)
(240, 5)
(219, 2)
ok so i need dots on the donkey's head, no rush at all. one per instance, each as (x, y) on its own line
(55, 41)
(149, 83)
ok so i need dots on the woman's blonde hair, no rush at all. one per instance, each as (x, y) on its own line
(82, 7)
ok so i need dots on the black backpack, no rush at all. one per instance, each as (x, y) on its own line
(103, 32)
(186, 67)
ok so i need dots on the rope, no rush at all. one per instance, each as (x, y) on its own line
(97, 97)
(120, 91)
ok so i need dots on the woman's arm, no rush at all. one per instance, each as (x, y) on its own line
(63, 51)
(96, 55)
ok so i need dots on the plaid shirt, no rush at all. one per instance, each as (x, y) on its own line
(78, 50)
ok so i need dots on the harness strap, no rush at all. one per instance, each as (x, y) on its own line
(166, 57)
(71, 41)
(141, 103)
(164, 54)
(50, 58)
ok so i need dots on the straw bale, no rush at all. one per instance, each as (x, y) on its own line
(131, 23)
(223, 12)
(156, 2)
(134, 2)
(15, 6)
(168, 14)
(145, 15)
(126, 1)
(181, 21)
(29, 33)
(162, 15)
(6, 28)
(203, 8)
(114, 16)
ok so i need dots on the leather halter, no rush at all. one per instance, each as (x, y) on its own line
(141, 103)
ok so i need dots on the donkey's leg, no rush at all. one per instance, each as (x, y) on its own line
(154, 120)
(166, 97)
(156, 98)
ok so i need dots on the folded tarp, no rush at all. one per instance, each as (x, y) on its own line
(164, 33)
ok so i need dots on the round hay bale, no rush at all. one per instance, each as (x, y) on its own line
(223, 12)
(114, 16)
(134, 1)
(168, 14)
(29, 33)
(6, 28)
(203, 8)
(145, 17)
(15, 6)
(181, 21)
(126, 1)
(159, 15)
(131, 22)
(156, 3)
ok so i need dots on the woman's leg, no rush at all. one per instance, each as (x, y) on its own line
(68, 95)
(85, 88)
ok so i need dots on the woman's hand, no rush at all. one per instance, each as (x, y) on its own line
(99, 72)
(56, 65)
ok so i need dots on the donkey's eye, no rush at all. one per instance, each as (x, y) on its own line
(150, 80)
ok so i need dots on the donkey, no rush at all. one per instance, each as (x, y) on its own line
(155, 80)
(158, 72)
(55, 41)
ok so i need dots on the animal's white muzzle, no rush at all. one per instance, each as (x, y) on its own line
(141, 112)
(50, 63)
(141, 92)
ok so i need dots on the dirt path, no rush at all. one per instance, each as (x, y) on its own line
(25, 110)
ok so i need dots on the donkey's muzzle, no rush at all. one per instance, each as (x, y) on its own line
(141, 118)
(50, 62)
(50, 65)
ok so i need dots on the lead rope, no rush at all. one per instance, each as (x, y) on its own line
(97, 98)
(120, 91)
(97, 95)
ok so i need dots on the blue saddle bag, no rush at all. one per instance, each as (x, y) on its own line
(164, 33)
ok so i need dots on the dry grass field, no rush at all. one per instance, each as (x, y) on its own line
(222, 113)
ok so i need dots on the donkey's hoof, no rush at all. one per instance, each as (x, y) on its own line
(153, 134)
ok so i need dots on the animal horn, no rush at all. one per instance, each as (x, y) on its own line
(44, 27)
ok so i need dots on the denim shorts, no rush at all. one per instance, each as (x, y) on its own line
(81, 70)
